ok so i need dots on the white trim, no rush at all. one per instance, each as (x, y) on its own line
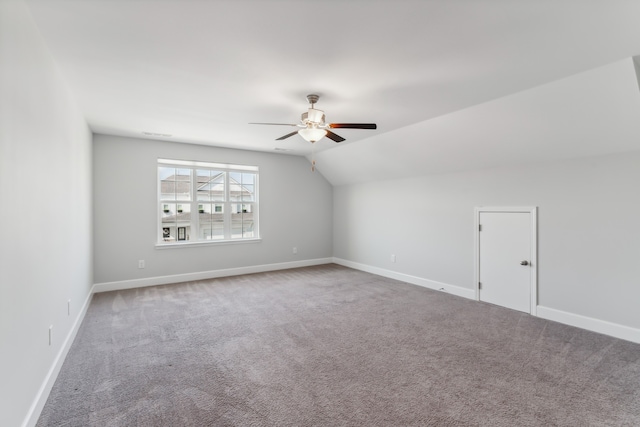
(414, 280)
(203, 275)
(533, 211)
(43, 393)
(589, 323)
(222, 166)
(192, 243)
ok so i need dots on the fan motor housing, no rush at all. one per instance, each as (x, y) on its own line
(313, 115)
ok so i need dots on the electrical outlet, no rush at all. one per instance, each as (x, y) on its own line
(393, 257)
(141, 263)
(50, 334)
(295, 250)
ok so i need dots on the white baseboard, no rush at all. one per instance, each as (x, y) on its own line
(203, 275)
(43, 393)
(431, 284)
(590, 324)
(595, 325)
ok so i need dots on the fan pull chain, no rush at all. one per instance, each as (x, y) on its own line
(313, 155)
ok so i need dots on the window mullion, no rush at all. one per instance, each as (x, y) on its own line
(195, 216)
(227, 207)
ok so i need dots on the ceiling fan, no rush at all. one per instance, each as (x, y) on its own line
(312, 125)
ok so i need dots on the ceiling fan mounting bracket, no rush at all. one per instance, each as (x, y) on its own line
(313, 98)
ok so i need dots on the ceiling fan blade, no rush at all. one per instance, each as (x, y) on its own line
(286, 136)
(353, 125)
(336, 138)
(275, 124)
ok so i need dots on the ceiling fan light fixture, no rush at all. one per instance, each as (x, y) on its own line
(313, 127)
(312, 134)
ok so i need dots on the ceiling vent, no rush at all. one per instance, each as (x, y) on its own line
(163, 135)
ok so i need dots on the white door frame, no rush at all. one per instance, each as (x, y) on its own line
(533, 211)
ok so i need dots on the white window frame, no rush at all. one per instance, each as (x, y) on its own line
(194, 202)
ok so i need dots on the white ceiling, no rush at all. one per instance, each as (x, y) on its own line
(200, 71)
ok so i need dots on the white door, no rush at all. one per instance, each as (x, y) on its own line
(506, 258)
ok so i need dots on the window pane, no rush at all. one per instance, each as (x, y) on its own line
(235, 191)
(247, 193)
(176, 222)
(211, 223)
(248, 179)
(168, 223)
(242, 225)
(166, 172)
(183, 184)
(183, 174)
(210, 185)
(184, 221)
(167, 183)
(248, 187)
(217, 230)
(175, 184)
(236, 226)
(241, 186)
(247, 229)
(203, 176)
(204, 216)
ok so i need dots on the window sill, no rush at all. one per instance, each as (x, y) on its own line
(174, 245)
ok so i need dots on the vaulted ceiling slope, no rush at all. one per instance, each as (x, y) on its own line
(596, 112)
(452, 85)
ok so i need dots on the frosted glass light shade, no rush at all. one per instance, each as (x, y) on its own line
(312, 134)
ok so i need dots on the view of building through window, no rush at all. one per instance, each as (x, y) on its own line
(206, 202)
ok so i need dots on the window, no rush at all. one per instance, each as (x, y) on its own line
(206, 202)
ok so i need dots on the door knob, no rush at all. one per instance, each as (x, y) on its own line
(525, 262)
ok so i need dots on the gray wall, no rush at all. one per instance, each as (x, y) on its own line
(588, 226)
(295, 210)
(45, 188)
